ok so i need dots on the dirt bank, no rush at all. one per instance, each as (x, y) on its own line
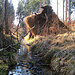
(58, 51)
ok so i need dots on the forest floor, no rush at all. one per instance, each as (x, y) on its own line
(56, 50)
(7, 56)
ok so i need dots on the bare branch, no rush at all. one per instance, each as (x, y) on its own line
(18, 42)
(24, 36)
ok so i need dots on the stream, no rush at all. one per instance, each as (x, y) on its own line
(27, 63)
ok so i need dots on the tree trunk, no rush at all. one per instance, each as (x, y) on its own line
(6, 17)
(66, 11)
(43, 2)
(69, 10)
(57, 7)
(40, 8)
(63, 10)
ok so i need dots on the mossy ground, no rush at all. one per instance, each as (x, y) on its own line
(3, 69)
(7, 59)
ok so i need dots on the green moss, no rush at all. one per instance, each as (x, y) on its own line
(3, 72)
(18, 46)
(16, 41)
(9, 53)
(50, 39)
(32, 62)
(3, 69)
(3, 66)
(38, 48)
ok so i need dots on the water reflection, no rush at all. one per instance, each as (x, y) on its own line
(20, 68)
(27, 63)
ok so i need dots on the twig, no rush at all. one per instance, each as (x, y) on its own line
(24, 36)
(18, 42)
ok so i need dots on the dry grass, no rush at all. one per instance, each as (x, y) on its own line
(64, 41)
(71, 25)
(14, 31)
(56, 50)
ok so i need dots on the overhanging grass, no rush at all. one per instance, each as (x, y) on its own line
(3, 69)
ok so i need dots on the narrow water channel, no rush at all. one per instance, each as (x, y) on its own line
(26, 63)
(22, 58)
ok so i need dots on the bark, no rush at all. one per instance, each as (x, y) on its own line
(66, 11)
(43, 2)
(57, 7)
(6, 17)
(63, 10)
(69, 10)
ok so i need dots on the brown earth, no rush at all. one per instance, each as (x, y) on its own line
(56, 50)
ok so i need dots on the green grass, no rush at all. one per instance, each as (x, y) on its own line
(3, 69)
(5, 66)
(50, 39)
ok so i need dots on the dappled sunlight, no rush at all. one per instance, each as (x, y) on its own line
(66, 37)
(28, 41)
(65, 41)
(57, 50)
(70, 47)
(61, 41)
(65, 34)
(33, 39)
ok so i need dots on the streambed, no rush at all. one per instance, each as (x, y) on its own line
(26, 63)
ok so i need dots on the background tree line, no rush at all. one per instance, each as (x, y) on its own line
(26, 7)
(6, 15)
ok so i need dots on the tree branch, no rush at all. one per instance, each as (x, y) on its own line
(12, 46)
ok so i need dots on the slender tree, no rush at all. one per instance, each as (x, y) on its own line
(69, 10)
(6, 17)
(66, 11)
(1, 15)
(43, 2)
(63, 10)
(57, 7)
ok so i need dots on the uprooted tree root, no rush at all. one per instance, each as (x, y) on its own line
(53, 26)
